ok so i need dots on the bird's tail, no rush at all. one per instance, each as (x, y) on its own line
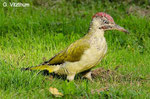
(43, 67)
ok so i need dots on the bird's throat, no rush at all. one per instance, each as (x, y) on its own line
(96, 32)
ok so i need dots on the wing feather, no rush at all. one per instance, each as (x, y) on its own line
(72, 54)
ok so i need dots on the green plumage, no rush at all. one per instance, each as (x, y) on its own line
(73, 53)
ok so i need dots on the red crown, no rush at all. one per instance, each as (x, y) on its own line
(102, 14)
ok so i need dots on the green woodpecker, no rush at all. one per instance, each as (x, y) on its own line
(84, 54)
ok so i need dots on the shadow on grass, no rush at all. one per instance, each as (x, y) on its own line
(99, 74)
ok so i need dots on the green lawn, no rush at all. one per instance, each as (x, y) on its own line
(29, 36)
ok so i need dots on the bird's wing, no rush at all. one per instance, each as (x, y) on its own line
(72, 54)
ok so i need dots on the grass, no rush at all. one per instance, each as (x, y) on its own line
(28, 36)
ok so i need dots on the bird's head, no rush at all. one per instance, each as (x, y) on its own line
(105, 22)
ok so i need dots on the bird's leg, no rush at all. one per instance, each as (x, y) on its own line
(70, 77)
(88, 75)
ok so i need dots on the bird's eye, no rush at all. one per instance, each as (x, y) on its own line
(106, 22)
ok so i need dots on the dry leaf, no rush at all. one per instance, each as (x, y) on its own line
(99, 90)
(102, 89)
(55, 92)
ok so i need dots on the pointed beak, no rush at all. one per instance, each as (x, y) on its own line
(119, 28)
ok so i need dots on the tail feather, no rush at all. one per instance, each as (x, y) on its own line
(43, 67)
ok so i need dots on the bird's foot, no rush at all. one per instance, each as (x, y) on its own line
(70, 77)
(88, 76)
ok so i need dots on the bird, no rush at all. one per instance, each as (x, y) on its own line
(84, 54)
